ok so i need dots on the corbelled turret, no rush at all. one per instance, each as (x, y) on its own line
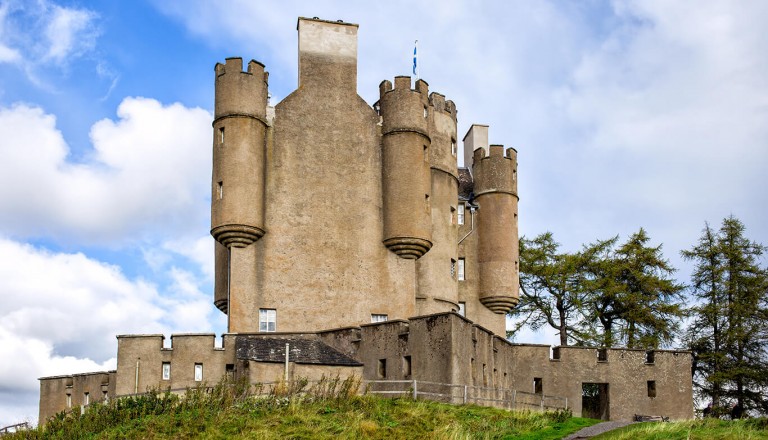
(405, 167)
(494, 171)
(239, 130)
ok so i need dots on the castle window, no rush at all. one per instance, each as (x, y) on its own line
(649, 357)
(267, 320)
(166, 371)
(453, 268)
(651, 388)
(426, 113)
(230, 371)
(453, 147)
(453, 215)
(221, 190)
(461, 269)
(461, 214)
(426, 154)
(69, 401)
(602, 355)
(86, 398)
(407, 367)
(378, 318)
(381, 371)
(538, 385)
(105, 396)
(221, 135)
(463, 309)
(198, 372)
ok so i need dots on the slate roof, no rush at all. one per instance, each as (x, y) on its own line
(301, 351)
(466, 184)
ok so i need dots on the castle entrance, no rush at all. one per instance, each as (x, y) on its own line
(594, 401)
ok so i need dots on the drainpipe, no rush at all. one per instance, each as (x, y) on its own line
(472, 210)
(136, 385)
(287, 348)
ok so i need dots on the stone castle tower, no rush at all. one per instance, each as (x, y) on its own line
(328, 212)
(348, 242)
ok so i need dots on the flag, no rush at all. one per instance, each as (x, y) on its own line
(415, 69)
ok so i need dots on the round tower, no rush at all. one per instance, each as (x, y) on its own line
(239, 130)
(495, 175)
(405, 167)
(438, 272)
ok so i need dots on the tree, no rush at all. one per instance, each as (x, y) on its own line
(729, 332)
(632, 291)
(551, 287)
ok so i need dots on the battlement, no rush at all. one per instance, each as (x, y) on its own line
(241, 93)
(235, 65)
(403, 83)
(497, 151)
(440, 104)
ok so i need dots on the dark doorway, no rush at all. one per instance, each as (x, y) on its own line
(594, 401)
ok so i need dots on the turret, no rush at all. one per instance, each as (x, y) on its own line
(239, 130)
(405, 167)
(495, 175)
(437, 274)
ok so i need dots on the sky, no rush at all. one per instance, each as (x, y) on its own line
(625, 114)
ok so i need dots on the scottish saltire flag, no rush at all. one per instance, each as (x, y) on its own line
(415, 57)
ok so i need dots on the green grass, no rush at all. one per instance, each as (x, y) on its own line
(707, 429)
(329, 411)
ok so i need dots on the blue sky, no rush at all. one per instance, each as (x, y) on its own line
(625, 115)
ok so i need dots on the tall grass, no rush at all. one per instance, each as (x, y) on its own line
(331, 408)
(702, 429)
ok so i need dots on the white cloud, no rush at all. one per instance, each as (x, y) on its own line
(145, 175)
(69, 32)
(60, 312)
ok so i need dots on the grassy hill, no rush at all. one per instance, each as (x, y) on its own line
(332, 409)
(328, 410)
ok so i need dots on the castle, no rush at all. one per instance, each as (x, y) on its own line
(348, 241)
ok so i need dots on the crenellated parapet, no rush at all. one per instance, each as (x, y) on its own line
(406, 179)
(239, 133)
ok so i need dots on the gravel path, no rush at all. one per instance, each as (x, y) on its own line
(598, 429)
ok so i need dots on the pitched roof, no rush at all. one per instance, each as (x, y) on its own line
(466, 184)
(300, 351)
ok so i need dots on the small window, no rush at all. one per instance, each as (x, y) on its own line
(538, 385)
(267, 320)
(463, 309)
(230, 371)
(381, 371)
(602, 355)
(105, 396)
(221, 190)
(651, 388)
(378, 318)
(453, 268)
(426, 154)
(453, 215)
(453, 147)
(221, 135)
(86, 398)
(460, 272)
(69, 401)
(166, 371)
(407, 366)
(198, 372)
(461, 214)
(650, 357)
(426, 113)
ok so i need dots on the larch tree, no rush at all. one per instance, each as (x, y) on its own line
(551, 288)
(634, 301)
(729, 332)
